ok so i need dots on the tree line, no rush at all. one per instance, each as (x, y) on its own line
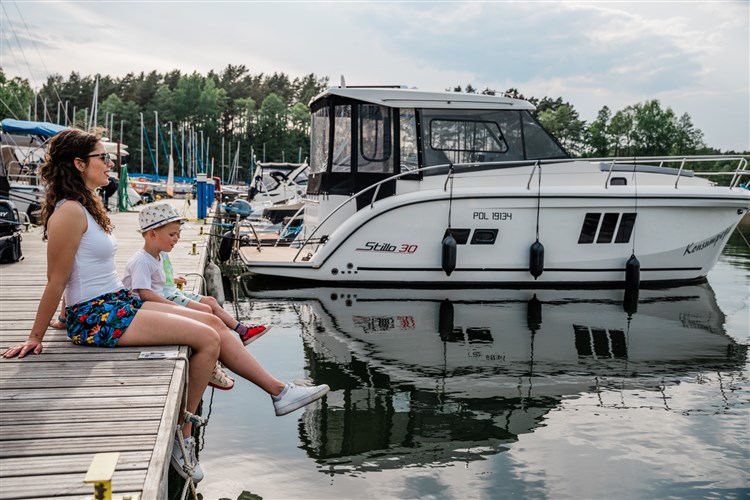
(267, 115)
(260, 114)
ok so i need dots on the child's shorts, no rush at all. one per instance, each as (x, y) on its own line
(101, 321)
(183, 298)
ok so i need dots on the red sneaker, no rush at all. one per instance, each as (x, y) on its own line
(253, 333)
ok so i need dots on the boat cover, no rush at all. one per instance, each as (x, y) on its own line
(44, 129)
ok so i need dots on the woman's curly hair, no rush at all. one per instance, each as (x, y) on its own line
(63, 181)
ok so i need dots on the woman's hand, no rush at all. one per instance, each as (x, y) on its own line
(22, 350)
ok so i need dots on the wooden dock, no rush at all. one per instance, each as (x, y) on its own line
(58, 409)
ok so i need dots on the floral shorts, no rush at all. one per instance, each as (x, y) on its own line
(183, 298)
(101, 321)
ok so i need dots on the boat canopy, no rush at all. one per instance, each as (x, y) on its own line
(412, 98)
(44, 129)
(361, 136)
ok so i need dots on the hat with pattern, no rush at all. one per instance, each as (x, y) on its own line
(155, 216)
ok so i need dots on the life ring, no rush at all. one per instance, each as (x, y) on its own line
(140, 185)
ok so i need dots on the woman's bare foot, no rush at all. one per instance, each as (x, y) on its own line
(58, 323)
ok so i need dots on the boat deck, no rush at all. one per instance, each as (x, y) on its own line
(58, 409)
(270, 254)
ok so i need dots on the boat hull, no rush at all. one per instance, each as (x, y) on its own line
(587, 236)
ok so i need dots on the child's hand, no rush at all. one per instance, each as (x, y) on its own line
(180, 280)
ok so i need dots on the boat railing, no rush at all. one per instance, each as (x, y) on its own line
(537, 164)
(356, 195)
(736, 174)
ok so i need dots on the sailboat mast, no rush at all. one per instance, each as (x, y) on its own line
(156, 134)
(142, 132)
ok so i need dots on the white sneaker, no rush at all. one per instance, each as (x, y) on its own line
(296, 396)
(178, 460)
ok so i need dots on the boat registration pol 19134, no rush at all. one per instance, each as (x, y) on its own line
(484, 215)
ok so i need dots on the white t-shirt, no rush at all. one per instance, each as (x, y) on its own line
(144, 272)
(94, 272)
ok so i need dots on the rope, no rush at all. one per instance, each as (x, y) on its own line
(635, 205)
(538, 200)
(450, 197)
(195, 420)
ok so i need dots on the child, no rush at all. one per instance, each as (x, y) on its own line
(159, 285)
(145, 275)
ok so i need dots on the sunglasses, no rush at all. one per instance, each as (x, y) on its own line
(106, 157)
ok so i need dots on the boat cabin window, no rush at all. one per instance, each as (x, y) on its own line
(374, 139)
(539, 144)
(466, 140)
(342, 139)
(480, 136)
(408, 140)
(319, 140)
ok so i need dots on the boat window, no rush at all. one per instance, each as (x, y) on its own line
(590, 225)
(539, 144)
(466, 139)
(301, 178)
(408, 140)
(470, 136)
(608, 228)
(374, 139)
(626, 228)
(342, 139)
(319, 140)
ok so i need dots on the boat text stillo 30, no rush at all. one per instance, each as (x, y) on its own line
(453, 189)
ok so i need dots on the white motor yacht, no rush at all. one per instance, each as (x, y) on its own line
(446, 189)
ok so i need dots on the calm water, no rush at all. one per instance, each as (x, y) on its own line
(495, 393)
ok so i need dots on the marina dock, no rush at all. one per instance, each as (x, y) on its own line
(60, 408)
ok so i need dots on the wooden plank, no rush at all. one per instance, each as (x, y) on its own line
(62, 464)
(92, 403)
(38, 486)
(44, 371)
(91, 428)
(88, 381)
(78, 392)
(21, 418)
(65, 445)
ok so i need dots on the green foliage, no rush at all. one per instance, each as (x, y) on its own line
(221, 105)
(15, 97)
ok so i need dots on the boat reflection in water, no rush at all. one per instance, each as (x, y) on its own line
(431, 377)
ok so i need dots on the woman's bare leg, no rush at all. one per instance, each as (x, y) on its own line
(234, 356)
(163, 324)
(238, 359)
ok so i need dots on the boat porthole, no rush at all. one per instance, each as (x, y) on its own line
(334, 296)
(349, 265)
(334, 271)
(348, 302)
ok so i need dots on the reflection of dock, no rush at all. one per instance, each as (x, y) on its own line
(58, 409)
(438, 376)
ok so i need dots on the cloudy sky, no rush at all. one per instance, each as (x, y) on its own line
(692, 56)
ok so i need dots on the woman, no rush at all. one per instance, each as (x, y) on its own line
(80, 262)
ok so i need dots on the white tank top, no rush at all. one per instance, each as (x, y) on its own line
(94, 272)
